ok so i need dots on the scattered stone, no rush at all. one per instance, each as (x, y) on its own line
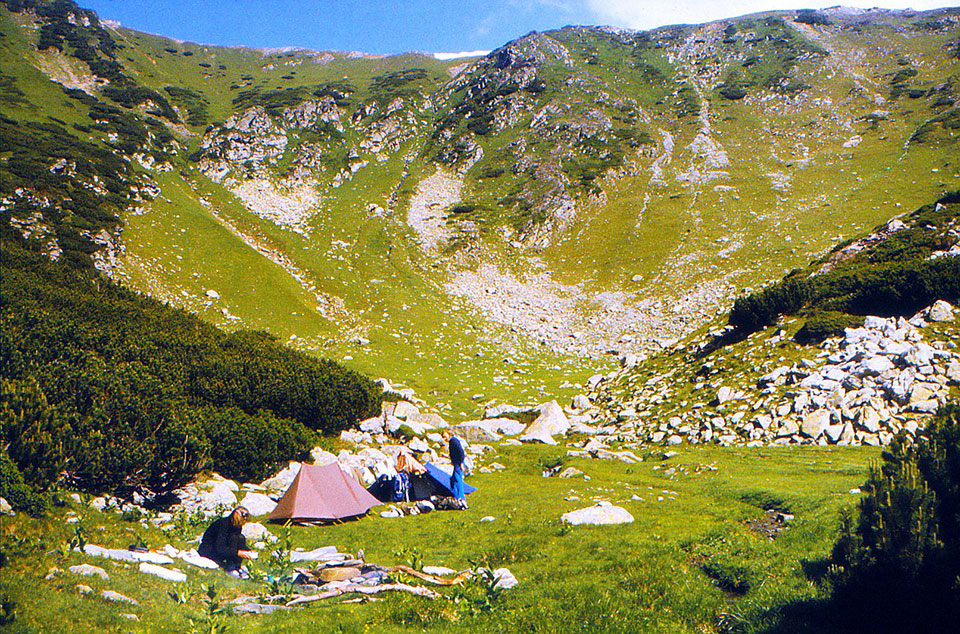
(89, 571)
(505, 579)
(488, 518)
(82, 589)
(258, 504)
(164, 573)
(339, 574)
(5, 508)
(116, 597)
(439, 571)
(602, 513)
(257, 532)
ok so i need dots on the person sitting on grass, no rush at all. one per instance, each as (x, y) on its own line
(224, 543)
(457, 456)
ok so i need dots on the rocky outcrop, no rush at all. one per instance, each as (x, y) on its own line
(248, 136)
(863, 388)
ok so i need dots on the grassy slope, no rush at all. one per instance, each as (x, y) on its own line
(644, 575)
(391, 291)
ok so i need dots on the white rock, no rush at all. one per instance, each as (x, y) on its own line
(323, 553)
(723, 394)
(116, 597)
(488, 518)
(373, 425)
(279, 482)
(89, 571)
(503, 426)
(321, 457)
(5, 508)
(406, 411)
(194, 558)
(581, 402)
(551, 421)
(603, 513)
(505, 579)
(940, 311)
(439, 571)
(875, 366)
(419, 445)
(815, 423)
(257, 532)
(475, 431)
(163, 573)
(258, 504)
(212, 294)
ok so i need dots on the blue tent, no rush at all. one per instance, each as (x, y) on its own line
(444, 480)
(435, 481)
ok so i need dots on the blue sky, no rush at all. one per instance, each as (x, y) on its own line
(383, 26)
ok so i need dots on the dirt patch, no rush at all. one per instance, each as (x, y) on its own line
(770, 524)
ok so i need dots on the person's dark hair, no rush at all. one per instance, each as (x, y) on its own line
(239, 516)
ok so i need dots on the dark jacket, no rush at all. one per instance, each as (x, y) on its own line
(221, 541)
(456, 451)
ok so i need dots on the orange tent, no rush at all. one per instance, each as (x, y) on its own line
(322, 494)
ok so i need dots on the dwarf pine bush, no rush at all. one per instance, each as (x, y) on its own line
(896, 566)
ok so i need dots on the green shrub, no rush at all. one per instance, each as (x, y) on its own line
(893, 277)
(250, 447)
(136, 385)
(17, 492)
(32, 432)
(821, 325)
(895, 567)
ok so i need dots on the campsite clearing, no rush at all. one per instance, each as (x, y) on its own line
(665, 572)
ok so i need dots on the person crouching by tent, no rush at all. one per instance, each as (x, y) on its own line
(224, 543)
(457, 456)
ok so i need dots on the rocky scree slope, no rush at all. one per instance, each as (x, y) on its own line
(869, 378)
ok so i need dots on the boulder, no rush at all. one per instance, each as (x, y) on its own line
(194, 558)
(875, 366)
(550, 422)
(164, 573)
(258, 504)
(833, 433)
(581, 402)
(504, 426)
(603, 513)
(280, 482)
(953, 372)
(116, 597)
(869, 419)
(723, 394)
(419, 445)
(5, 508)
(505, 579)
(373, 425)
(815, 423)
(439, 571)
(321, 457)
(406, 411)
(89, 571)
(940, 311)
(257, 532)
(474, 431)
